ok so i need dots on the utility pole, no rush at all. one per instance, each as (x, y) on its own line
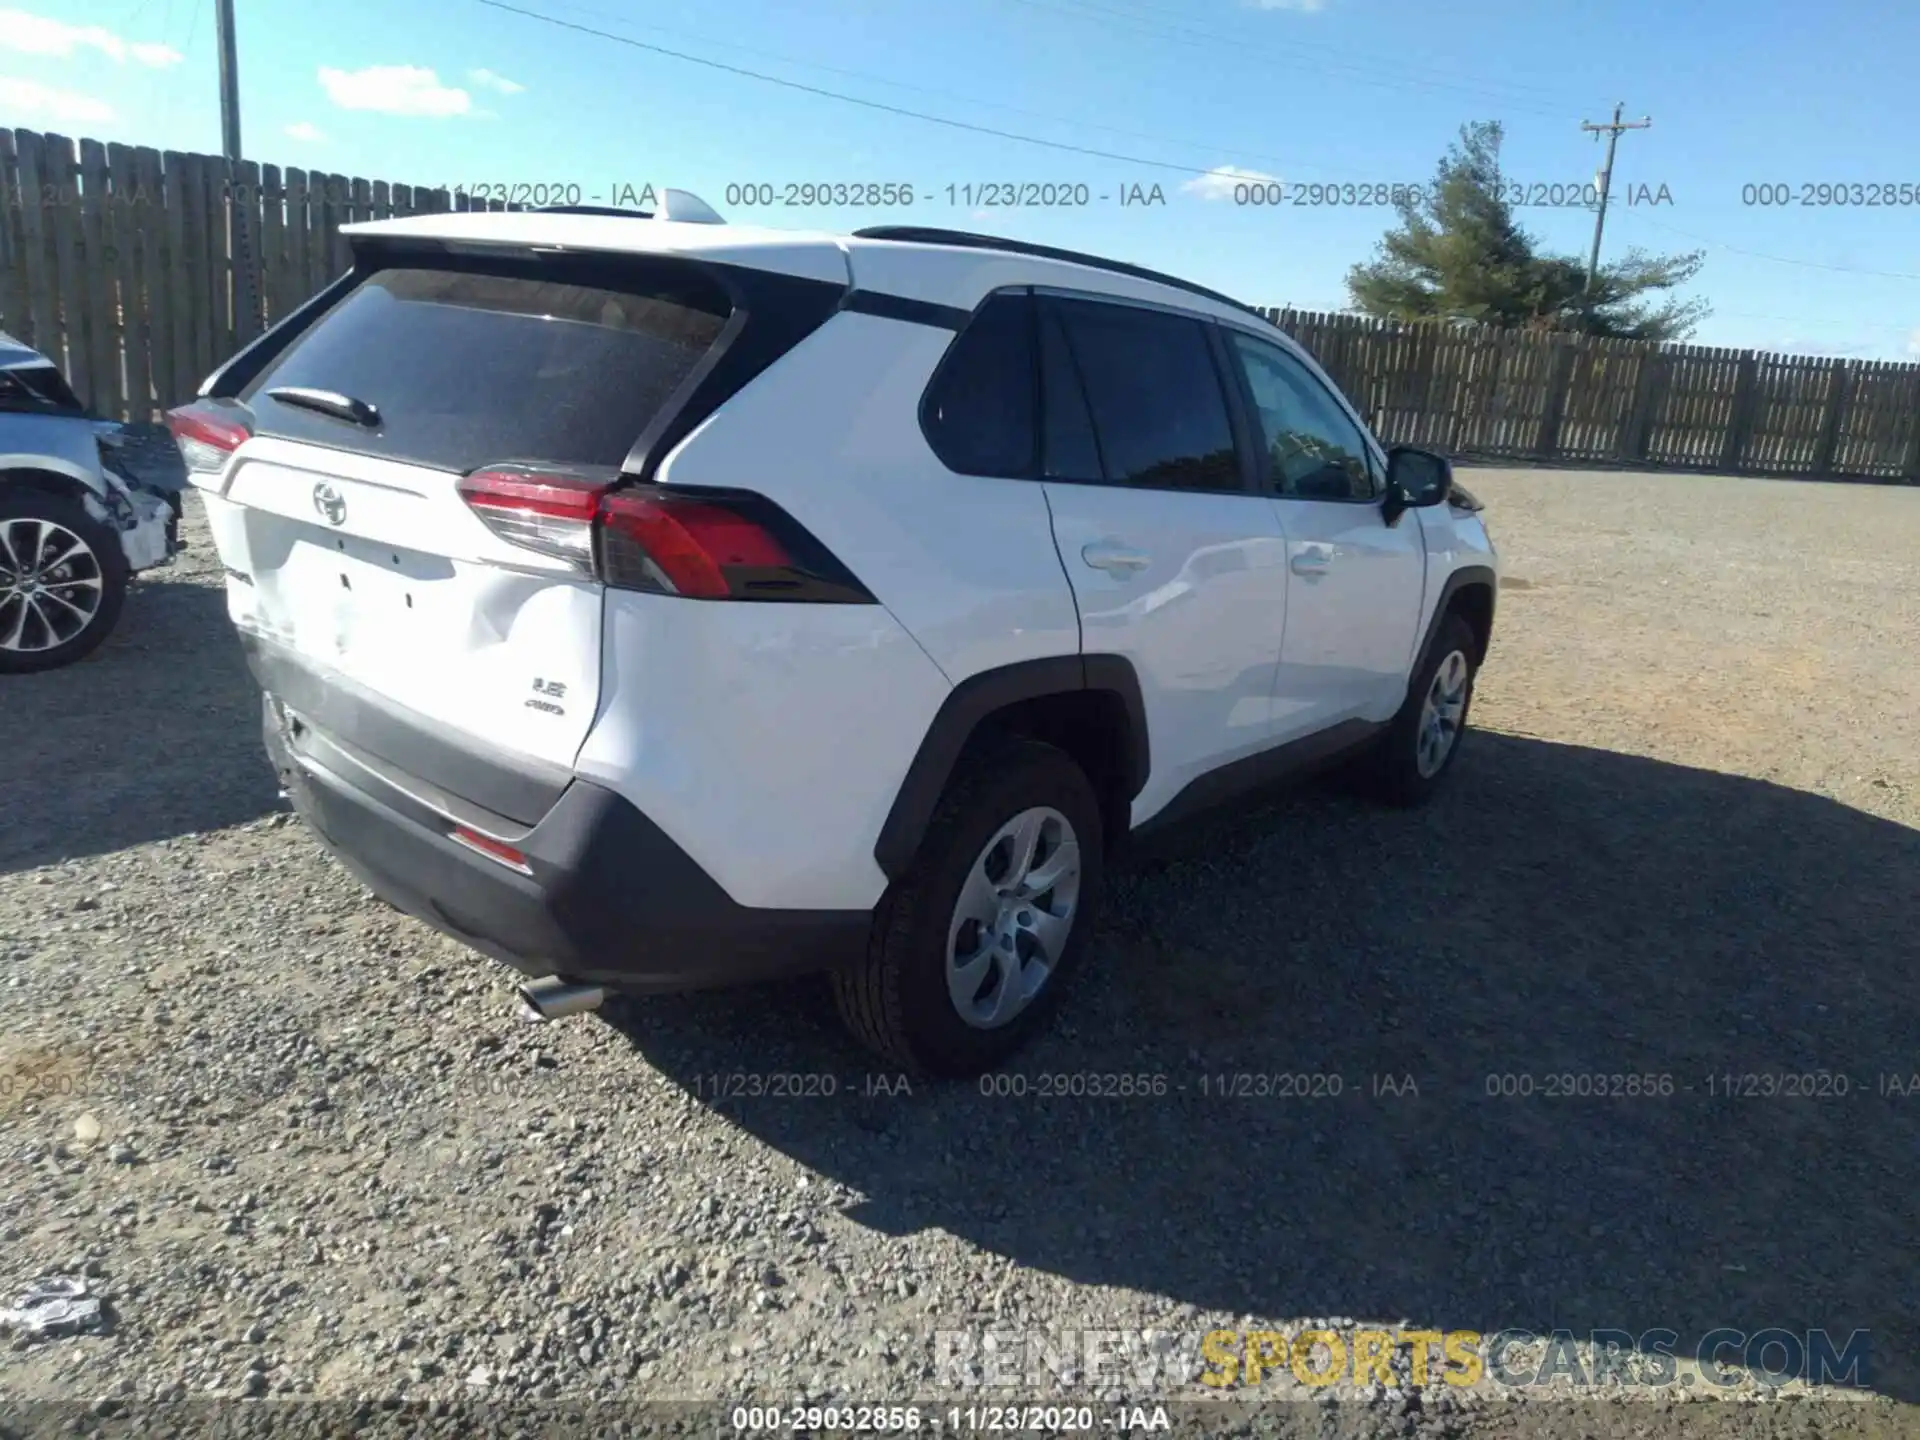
(1612, 132)
(246, 290)
(229, 86)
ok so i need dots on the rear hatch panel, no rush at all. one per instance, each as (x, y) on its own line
(377, 571)
(349, 548)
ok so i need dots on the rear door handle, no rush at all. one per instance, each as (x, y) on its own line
(1114, 558)
(1311, 560)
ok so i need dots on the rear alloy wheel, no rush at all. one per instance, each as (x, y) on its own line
(1011, 922)
(62, 581)
(971, 945)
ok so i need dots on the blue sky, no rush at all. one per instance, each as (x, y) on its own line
(1741, 92)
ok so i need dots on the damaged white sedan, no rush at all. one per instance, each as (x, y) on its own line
(85, 504)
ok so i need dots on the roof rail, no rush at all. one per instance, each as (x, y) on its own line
(614, 210)
(967, 239)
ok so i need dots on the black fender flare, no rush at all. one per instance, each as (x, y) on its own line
(1466, 577)
(975, 700)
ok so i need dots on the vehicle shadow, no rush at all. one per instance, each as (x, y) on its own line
(1560, 911)
(155, 735)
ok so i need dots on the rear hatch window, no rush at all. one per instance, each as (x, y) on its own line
(561, 360)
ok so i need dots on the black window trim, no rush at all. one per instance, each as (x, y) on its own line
(1042, 313)
(1249, 441)
(889, 306)
(922, 411)
(1229, 390)
(1374, 454)
(1037, 461)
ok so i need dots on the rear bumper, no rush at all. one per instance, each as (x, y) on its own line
(609, 897)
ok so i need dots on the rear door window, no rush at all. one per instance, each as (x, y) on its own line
(565, 363)
(1159, 411)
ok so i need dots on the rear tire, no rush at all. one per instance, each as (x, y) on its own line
(970, 947)
(56, 561)
(1407, 764)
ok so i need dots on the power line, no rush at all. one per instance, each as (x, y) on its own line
(1019, 138)
(1545, 93)
(1779, 259)
(1362, 75)
(845, 98)
(1237, 151)
(948, 121)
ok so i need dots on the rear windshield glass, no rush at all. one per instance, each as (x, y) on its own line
(468, 366)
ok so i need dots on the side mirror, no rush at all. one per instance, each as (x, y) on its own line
(1415, 478)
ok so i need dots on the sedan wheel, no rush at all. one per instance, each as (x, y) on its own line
(62, 579)
(50, 585)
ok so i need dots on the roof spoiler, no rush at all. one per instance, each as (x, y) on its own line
(682, 206)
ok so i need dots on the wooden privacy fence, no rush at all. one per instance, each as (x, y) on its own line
(115, 261)
(1575, 399)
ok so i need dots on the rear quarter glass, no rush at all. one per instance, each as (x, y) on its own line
(467, 365)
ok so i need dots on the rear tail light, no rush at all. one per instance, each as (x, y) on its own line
(208, 432)
(700, 544)
(684, 546)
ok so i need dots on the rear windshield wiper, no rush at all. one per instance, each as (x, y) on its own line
(328, 402)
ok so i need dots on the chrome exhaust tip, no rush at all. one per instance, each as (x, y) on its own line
(552, 998)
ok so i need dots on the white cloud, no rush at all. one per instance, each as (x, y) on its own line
(488, 80)
(30, 97)
(36, 35)
(307, 131)
(156, 55)
(1913, 344)
(1219, 182)
(394, 90)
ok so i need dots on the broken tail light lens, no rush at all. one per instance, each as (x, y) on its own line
(208, 432)
(699, 544)
(544, 508)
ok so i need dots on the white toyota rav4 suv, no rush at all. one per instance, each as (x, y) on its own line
(653, 605)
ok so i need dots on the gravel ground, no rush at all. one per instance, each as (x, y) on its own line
(306, 1149)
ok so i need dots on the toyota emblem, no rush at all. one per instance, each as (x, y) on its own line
(330, 503)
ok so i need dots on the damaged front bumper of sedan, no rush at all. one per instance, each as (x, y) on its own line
(129, 477)
(145, 480)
